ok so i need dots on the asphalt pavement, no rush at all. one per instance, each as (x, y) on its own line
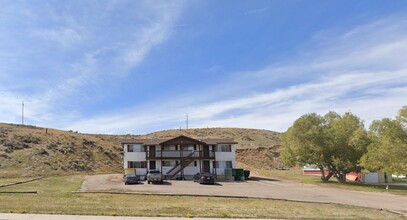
(14, 216)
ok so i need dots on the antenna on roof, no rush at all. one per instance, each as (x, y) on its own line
(22, 113)
(187, 120)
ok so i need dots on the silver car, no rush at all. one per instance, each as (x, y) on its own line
(154, 176)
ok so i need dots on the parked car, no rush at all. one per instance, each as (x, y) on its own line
(154, 176)
(131, 179)
(204, 178)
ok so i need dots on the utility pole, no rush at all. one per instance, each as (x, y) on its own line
(22, 113)
(187, 120)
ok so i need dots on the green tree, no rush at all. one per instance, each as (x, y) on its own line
(347, 140)
(334, 143)
(304, 142)
(388, 150)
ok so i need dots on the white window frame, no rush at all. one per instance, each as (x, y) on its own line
(223, 164)
(171, 163)
(130, 148)
(224, 148)
(136, 164)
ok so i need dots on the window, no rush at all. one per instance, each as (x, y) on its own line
(224, 148)
(135, 148)
(152, 165)
(130, 148)
(136, 164)
(170, 147)
(194, 164)
(228, 164)
(223, 164)
(169, 163)
(188, 147)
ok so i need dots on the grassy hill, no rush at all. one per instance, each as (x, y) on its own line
(30, 150)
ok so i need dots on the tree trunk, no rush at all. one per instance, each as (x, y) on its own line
(341, 177)
(323, 177)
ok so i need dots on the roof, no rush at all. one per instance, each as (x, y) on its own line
(143, 141)
(157, 141)
(218, 141)
(182, 139)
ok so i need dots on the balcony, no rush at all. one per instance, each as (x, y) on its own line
(176, 154)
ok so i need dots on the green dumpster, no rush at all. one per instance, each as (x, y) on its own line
(238, 174)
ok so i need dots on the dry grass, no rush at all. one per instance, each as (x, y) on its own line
(33, 151)
(55, 196)
(247, 138)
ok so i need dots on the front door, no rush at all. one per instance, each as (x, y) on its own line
(152, 151)
(206, 151)
(206, 166)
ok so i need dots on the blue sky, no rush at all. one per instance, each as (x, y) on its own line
(140, 66)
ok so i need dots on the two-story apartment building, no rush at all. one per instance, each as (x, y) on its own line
(179, 157)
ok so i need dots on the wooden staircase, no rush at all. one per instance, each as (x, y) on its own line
(177, 168)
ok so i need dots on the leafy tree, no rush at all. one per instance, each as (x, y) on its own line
(304, 142)
(402, 118)
(388, 150)
(348, 140)
(334, 143)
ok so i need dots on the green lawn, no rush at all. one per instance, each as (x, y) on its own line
(55, 196)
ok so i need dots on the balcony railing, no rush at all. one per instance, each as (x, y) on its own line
(179, 154)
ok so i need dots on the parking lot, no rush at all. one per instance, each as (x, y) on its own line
(255, 188)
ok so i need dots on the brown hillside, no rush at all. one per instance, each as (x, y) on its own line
(29, 150)
(32, 151)
(262, 158)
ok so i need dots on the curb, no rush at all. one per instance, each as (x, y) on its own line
(21, 182)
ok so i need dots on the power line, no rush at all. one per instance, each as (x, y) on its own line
(22, 113)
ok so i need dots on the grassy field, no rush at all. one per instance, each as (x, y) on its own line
(55, 196)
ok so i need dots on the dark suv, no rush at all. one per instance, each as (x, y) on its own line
(204, 178)
(131, 179)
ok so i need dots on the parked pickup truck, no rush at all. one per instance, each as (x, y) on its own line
(154, 176)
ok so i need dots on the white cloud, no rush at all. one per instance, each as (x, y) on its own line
(256, 11)
(320, 97)
(362, 71)
(83, 68)
(154, 34)
(65, 36)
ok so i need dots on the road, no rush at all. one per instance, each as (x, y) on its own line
(12, 216)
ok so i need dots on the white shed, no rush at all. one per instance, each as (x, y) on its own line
(376, 178)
